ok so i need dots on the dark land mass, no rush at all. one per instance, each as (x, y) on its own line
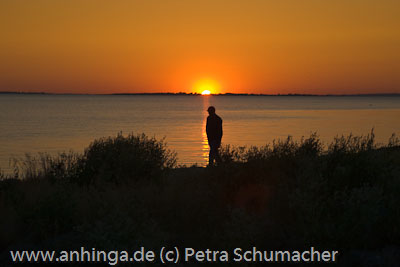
(196, 94)
(125, 192)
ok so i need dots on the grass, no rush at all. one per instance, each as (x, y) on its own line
(125, 192)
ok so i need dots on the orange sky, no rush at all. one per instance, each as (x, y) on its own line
(254, 46)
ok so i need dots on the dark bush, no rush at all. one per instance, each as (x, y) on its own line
(289, 194)
(61, 167)
(120, 158)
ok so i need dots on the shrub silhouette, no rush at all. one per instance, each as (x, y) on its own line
(63, 166)
(288, 194)
(117, 159)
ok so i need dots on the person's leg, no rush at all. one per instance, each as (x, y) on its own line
(210, 159)
(213, 151)
(217, 157)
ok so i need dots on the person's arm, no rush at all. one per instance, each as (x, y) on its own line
(208, 127)
(220, 132)
(221, 129)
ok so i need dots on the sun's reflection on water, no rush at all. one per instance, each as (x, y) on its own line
(206, 104)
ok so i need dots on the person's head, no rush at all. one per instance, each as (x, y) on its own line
(211, 110)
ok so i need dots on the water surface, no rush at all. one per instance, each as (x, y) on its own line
(56, 123)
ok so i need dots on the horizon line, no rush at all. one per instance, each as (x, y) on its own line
(198, 94)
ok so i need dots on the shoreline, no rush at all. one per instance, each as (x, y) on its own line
(197, 94)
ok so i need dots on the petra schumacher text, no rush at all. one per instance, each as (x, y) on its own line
(255, 255)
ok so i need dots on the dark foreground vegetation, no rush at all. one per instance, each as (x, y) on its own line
(127, 192)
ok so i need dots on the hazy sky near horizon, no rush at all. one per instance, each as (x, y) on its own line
(255, 46)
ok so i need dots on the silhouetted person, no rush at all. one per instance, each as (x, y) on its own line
(214, 135)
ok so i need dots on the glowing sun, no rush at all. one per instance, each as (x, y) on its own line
(206, 87)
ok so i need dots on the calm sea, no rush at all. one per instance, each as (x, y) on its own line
(56, 123)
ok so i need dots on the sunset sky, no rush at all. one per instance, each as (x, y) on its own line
(254, 46)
